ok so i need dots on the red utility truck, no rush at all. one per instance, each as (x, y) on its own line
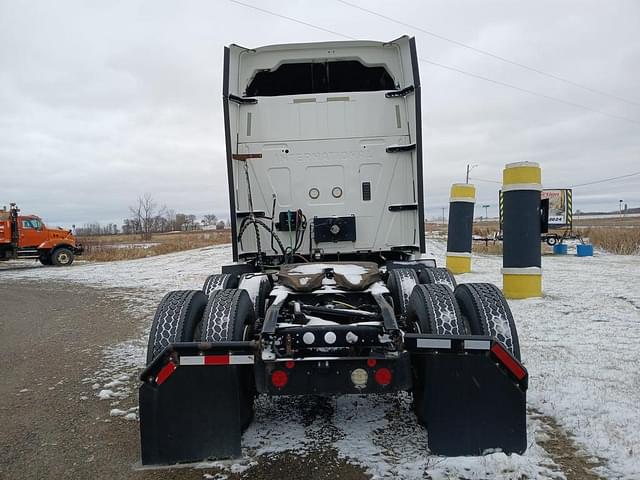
(26, 236)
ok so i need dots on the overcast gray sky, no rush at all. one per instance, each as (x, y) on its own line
(103, 101)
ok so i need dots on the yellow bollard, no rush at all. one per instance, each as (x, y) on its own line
(521, 259)
(460, 231)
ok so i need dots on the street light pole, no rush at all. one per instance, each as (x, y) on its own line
(621, 207)
(443, 215)
(469, 168)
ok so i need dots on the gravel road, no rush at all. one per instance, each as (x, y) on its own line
(52, 336)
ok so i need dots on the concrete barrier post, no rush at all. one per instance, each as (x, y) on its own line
(521, 260)
(460, 232)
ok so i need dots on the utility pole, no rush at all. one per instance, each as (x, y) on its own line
(469, 168)
(486, 211)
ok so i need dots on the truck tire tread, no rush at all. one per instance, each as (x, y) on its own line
(488, 313)
(175, 320)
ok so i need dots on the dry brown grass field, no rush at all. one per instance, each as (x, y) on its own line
(619, 235)
(623, 241)
(607, 221)
(107, 248)
(614, 234)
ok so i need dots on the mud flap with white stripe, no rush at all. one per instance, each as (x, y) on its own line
(194, 405)
(470, 393)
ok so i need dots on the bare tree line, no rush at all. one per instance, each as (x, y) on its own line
(147, 217)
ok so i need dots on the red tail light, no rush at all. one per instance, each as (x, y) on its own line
(279, 379)
(383, 376)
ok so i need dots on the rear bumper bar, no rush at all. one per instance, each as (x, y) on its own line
(332, 376)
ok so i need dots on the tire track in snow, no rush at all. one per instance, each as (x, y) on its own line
(574, 463)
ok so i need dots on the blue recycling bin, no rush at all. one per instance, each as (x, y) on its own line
(585, 250)
(560, 249)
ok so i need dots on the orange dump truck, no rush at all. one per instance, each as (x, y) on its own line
(26, 236)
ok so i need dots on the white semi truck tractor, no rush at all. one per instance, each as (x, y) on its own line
(329, 290)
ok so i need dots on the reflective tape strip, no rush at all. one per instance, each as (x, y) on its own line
(199, 360)
(433, 343)
(217, 360)
(522, 271)
(165, 373)
(522, 186)
(477, 344)
(462, 199)
(241, 360)
(508, 361)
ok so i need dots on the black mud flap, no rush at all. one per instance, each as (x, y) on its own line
(470, 393)
(194, 405)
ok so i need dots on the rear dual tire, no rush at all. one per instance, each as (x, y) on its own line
(483, 305)
(189, 315)
(433, 310)
(229, 316)
(400, 283)
(219, 281)
(175, 320)
(474, 308)
(441, 276)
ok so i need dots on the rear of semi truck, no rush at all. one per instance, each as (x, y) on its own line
(330, 291)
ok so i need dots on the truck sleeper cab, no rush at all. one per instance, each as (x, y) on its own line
(330, 131)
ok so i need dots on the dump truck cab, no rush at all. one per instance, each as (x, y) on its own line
(26, 236)
(330, 291)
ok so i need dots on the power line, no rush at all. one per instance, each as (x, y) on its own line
(606, 180)
(269, 12)
(571, 186)
(441, 65)
(489, 54)
(484, 180)
(531, 92)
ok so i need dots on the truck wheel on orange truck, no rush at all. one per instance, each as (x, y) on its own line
(26, 236)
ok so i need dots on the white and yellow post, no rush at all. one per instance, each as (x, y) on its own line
(460, 231)
(521, 260)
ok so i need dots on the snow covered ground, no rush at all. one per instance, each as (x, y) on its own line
(580, 344)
